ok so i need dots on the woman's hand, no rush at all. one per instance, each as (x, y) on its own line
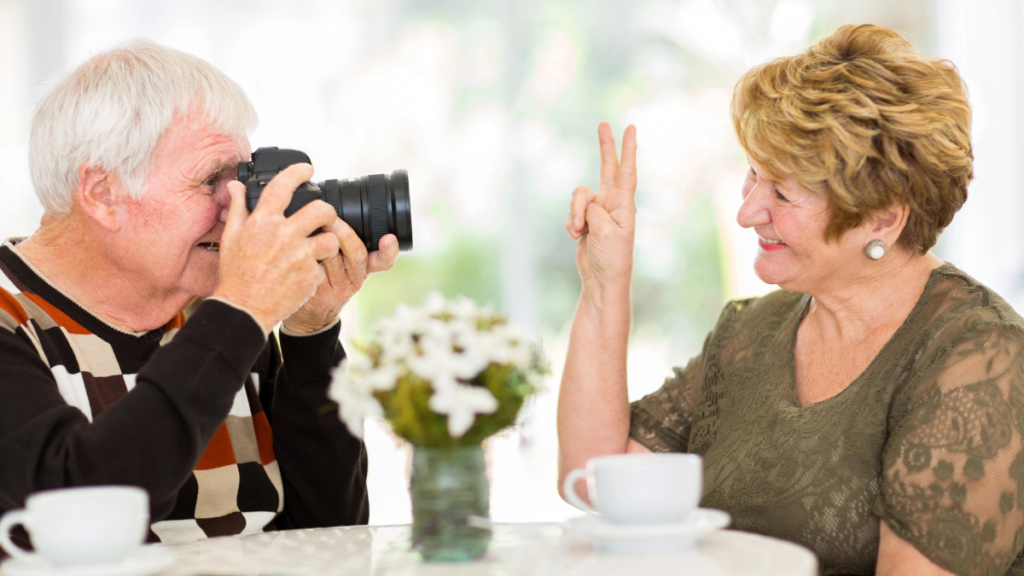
(605, 222)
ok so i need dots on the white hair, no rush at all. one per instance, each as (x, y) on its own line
(111, 111)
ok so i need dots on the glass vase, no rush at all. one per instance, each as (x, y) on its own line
(450, 504)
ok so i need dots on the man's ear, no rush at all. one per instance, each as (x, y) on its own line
(101, 197)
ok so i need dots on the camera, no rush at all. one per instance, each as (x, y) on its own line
(372, 205)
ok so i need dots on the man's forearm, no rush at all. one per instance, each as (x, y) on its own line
(151, 437)
(323, 466)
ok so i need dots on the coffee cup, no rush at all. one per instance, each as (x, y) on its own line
(639, 488)
(76, 526)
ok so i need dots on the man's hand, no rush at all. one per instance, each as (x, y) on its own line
(270, 265)
(345, 273)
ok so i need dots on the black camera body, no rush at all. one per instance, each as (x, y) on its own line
(372, 205)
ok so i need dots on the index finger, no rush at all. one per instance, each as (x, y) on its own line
(626, 177)
(609, 160)
(352, 249)
(277, 194)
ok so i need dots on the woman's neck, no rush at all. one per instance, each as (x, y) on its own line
(878, 300)
(845, 328)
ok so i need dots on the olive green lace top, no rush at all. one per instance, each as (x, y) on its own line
(928, 438)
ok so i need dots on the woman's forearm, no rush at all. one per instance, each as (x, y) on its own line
(593, 405)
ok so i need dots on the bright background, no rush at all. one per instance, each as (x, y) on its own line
(492, 106)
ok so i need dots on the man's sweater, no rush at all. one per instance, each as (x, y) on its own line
(229, 433)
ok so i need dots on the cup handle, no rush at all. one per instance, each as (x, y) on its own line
(9, 520)
(569, 489)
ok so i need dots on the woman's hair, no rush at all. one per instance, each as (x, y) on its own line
(112, 110)
(864, 119)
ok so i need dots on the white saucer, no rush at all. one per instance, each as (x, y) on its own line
(648, 538)
(147, 560)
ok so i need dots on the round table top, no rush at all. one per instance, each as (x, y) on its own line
(534, 549)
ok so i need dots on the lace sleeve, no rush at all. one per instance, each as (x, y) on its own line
(661, 421)
(953, 467)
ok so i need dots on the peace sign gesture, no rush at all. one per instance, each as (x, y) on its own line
(605, 222)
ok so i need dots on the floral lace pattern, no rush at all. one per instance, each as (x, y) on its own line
(930, 437)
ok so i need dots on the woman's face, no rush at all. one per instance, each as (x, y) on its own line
(790, 223)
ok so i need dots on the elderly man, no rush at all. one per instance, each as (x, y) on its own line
(102, 380)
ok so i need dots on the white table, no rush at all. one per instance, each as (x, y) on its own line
(516, 549)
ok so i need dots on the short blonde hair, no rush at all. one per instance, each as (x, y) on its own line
(112, 110)
(864, 119)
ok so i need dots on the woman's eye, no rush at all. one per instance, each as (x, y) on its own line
(780, 196)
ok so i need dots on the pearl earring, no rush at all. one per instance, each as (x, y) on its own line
(875, 250)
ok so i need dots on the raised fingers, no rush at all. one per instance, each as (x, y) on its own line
(277, 194)
(577, 218)
(626, 177)
(609, 159)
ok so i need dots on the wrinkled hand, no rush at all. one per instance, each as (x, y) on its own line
(605, 222)
(345, 273)
(270, 265)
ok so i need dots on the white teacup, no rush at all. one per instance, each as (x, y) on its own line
(72, 526)
(639, 488)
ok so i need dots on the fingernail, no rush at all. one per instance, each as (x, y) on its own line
(575, 221)
(224, 215)
(336, 225)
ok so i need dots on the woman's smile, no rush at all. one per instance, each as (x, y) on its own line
(770, 245)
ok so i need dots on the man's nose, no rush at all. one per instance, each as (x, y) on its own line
(754, 210)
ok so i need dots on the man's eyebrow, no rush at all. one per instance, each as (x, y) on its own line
(215, 167)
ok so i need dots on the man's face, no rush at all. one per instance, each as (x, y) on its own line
(171, 235)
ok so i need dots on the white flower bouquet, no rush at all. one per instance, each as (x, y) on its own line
(445, 374)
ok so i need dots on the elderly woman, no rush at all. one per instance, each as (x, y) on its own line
(134, 157)
(871, 410)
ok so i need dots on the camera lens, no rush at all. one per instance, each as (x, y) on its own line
(373, 206)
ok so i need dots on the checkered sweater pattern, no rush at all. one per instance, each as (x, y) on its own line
(198, 408)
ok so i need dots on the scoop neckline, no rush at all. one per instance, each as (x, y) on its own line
(805, 301)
